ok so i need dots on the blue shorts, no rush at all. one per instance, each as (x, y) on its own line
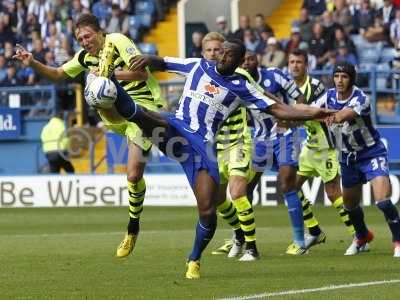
(283, 151)
(189, 149)
(364, 165)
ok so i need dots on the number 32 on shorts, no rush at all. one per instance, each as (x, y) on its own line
(379, 163)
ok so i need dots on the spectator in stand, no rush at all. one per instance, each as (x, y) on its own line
(378, 32)
(26, 75)
(261, 25)
(3, 68)
(342, 37)
(39, 8)
(364, 17)
(222, 26)
(38, 50)
(294, 41)
(196, 48)
(63, 11)
(77, 9)
(31, 24)
(119, 21)
(387, 12)
(312, 60)
(21, 18)
(264, 36)
(5, 33)
(244, 23)
(342, 15)
(102, 10)
(45, 30)
(10, 17)
(314, 7)
(395, 30)
(304, 23)
(319, 45)
(11, 78)
(329, 27)
(273, 57)
(250, 40)
(62, 51)
(8, 51)
(343, 54)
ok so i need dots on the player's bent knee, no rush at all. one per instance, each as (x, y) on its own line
(134, 177)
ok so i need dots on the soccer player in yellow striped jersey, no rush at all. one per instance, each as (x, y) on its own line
(318, 156)
(114, 51)
(234, 149)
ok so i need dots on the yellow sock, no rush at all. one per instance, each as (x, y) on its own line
(228, 212)
(308, 216)
(136, 197)
(246, 218)
(344, 216)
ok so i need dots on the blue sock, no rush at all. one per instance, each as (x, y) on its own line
(204, 235)
(125, 105)
(296, 217)
(392, 217)
(356, 216)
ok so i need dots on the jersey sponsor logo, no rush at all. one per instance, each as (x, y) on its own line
(214, 103)
(211, 89)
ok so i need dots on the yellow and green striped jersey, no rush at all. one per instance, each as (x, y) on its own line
(120, 49)
(235, 130)
(317, 132)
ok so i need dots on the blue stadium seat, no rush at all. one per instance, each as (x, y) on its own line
(383, 75)
(387, 54)
(369, 53)
(134, 27)
(145, 7)
(146, 20)
(148, 48)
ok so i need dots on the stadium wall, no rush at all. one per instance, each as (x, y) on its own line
(162, 190)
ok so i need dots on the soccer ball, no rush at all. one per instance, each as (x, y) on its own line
(100, 92)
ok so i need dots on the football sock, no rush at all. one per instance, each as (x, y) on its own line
(228, 212)
(246, 218)
(136, 193)
(309, 219)
(392, 217)
(296, 217)
(356, 216)
(204, 233)
(344, 215)
(125, 105)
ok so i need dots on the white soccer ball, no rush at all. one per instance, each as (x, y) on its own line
(100, 92)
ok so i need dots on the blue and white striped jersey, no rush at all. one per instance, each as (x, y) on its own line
(274, 81)
(356, 134)
(208, 98)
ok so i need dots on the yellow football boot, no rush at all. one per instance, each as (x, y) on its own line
(193, 269)
(295, 249)
(127, 245)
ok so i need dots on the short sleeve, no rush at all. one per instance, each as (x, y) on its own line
(253, 99)
(179, 65)
(75, 66)
(321, 101)
(126, 48)
(360, 105)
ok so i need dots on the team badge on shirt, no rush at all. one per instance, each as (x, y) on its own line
(130, 50)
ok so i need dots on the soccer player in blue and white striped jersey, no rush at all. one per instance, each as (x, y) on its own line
(363, 156)
(276, 148)
(211, 92)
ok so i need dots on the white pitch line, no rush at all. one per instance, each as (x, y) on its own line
(320, 289)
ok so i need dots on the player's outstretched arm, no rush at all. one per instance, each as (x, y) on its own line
(51, 73)
(298, 112)
(139, 62)
(344, 115)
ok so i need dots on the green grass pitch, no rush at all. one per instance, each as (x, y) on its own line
(69, 254)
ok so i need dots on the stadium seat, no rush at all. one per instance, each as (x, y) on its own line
(383, 75)
(134, 27)
(146, 20)
(148, 48)
(145, 7)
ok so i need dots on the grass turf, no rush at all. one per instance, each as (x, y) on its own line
(69, 254)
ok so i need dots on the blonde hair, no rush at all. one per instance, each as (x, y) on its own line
(212, 36)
